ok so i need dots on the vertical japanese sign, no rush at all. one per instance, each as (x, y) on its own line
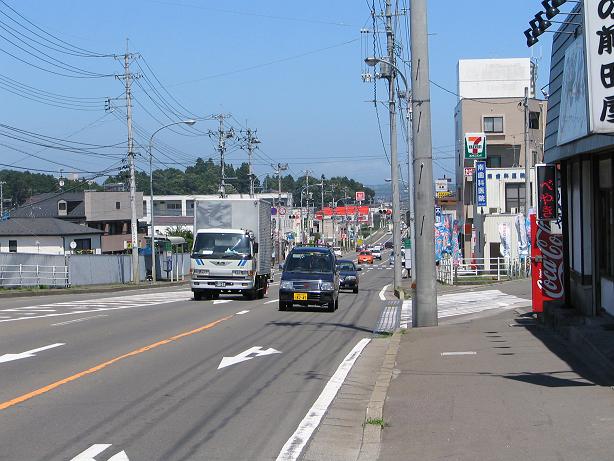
(480, 183)
(475, 146)
(547, 209)
(599, 36)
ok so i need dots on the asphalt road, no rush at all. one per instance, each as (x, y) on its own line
(138, 372)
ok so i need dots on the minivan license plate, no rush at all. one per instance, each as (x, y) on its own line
(300, 296)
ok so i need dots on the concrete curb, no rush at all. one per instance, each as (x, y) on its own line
(371, 439)
(92, 289)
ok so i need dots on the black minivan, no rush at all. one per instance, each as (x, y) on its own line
(310, 277)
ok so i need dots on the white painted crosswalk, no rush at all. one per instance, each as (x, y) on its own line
(463, 303)
(87, 306)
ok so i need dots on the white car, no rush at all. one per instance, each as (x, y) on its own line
(377, 253)
(337, 251)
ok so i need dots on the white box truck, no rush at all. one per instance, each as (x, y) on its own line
(232, 248)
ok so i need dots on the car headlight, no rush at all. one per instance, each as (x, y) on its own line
(326, 286)
(286, 285)
(201, 272)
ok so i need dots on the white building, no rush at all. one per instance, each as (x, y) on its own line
(49, 236)
(495, 78)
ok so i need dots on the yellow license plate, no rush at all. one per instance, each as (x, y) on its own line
(300, 296)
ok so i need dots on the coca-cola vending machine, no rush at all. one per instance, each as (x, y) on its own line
(547, 270)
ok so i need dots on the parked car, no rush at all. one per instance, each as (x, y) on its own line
(348, 275)
(337, 251)
(365, 257)
(310, 277)
(388, 245)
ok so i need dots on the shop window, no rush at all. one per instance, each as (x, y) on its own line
(83, 244)
(493, 162)
(605, 219)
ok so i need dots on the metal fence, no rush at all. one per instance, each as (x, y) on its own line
(481, 270)
(27, 275)
(28, 270)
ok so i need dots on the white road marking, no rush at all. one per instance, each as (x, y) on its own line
(444, 354)
(241, 312)
(405, 314)
(83, 319)
(222, 301)
(91, 452)
(244, 356)
(272, 301)
(294, 446)
(89, 306)
(27, 354)
(381, 293)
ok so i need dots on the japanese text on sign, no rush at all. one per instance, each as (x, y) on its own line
(546, 193)
(599, 38)
(480, 183)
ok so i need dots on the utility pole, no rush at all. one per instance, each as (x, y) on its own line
(127, 78)
(307, 173)
(251, 141)
(280, 167)
(424, 304)
(527, 156)
(394, 162)
(222, 135)
(2, 183)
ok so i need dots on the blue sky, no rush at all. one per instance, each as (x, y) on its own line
(291, 70)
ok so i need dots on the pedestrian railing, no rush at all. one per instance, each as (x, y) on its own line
(25, 275)
(482, 270)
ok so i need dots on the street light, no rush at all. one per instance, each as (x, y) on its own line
(394, 176)
(151, 198)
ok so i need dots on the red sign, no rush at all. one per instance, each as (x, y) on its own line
(360, 196)
(547, 265)
(546, 193)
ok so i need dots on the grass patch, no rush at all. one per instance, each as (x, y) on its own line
(383, 334)
(377, 422)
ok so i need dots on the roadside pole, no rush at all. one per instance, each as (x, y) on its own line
(424, 305)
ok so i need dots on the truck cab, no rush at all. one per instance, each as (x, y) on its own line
(224, 261)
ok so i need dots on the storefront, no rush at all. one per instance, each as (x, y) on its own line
(580, 141)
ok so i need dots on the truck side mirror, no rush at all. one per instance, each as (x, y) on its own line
(255, 247)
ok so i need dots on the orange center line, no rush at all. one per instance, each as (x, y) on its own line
(94, 369)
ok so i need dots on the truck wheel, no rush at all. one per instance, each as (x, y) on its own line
(198, 295)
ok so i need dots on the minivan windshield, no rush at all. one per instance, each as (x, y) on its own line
(222, 246)
(304, 261)
(346, 267)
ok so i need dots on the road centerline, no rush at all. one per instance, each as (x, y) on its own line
(42, 390)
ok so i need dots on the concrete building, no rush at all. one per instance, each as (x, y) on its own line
(580, 142)
(108, 212)
(50, 236)
(492, 96)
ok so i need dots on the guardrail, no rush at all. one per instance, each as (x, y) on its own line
(482, 270)
(26, 275)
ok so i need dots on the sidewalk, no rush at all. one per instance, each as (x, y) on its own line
(492, 385)
(496, 388)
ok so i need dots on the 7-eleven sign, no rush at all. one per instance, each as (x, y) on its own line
(475, 146)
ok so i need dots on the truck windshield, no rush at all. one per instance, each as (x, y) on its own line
(222, 246)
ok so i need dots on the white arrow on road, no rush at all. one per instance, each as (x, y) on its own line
(91, 452)
(26, 354)
(249, 354)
